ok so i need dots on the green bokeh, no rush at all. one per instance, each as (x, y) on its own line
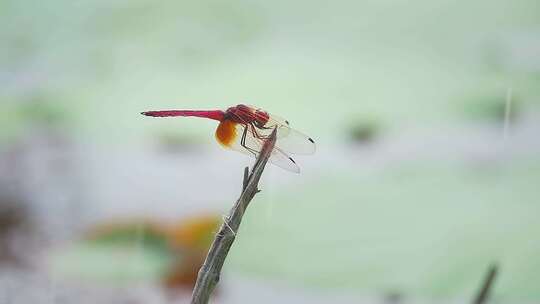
(88, 68)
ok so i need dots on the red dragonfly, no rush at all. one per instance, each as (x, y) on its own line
(245, 128)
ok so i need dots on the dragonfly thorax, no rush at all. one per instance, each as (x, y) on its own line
(247, 115)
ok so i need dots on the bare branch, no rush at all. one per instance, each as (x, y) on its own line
(246, 178)
(483, 293)
(210, 271)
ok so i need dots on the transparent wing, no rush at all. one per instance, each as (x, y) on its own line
(296, 143)
(282, 160)
(289, 140)
(250, 142)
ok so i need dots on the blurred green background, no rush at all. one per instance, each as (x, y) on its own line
(425, 114)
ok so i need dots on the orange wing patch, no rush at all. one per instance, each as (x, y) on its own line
(226, 133)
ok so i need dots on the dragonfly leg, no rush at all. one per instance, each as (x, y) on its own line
(243, 141)
(257, 135)
(261, 137)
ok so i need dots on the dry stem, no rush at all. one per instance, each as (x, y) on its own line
(484, 291)
(210, 271)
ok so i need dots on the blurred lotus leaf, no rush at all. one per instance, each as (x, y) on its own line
(15, 223)
(364, 130)
(491, 107)
(43, 109)
(176, 142)
(196, 233)
(140, 250)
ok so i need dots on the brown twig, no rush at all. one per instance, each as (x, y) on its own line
(483, 293)
(211, 269)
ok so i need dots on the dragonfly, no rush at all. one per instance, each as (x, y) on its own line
(246, 128)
